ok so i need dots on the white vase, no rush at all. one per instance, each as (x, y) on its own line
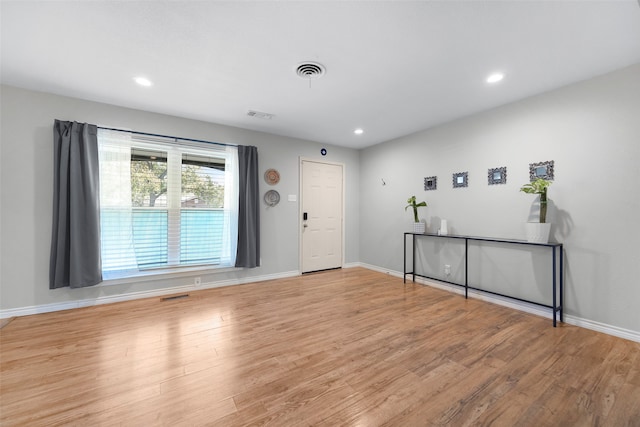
(537, 232)
(443, 227)
(419, 227)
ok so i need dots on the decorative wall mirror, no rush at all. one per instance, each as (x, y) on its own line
(497, 176)
(542, 170)
(430, 183)
(460, 179)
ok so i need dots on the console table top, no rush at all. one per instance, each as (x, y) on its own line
(485, 239)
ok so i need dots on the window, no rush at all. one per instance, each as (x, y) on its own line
(165, 205)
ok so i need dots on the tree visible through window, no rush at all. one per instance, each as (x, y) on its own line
(202, 182)
(148, 177)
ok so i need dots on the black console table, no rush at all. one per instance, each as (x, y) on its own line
(557, 255)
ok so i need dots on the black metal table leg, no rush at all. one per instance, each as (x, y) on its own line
(413, 258)
(404, 257)
(555, 306)
(466, 268)
(561, 283)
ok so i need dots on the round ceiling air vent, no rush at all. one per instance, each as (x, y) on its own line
(310, 70)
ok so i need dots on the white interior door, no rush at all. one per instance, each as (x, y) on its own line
(321, 215)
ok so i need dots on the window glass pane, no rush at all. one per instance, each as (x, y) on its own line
(117, 252)
(201, 233)
(148, 178)
(150, 237)
(202, 218)
(202, 182)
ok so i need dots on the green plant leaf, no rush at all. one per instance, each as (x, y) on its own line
(539, 186)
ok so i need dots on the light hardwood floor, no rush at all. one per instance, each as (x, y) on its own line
(348, 347)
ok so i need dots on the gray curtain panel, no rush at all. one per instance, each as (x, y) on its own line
(248, 254)
(75, 241)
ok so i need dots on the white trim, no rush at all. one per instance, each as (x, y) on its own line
(380, 269)
(168, 273)
(351, 265)
(68, 305)
(603, 327)
(519, 305)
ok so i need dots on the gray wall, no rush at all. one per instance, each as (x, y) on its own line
(26, 201)
(590, 129)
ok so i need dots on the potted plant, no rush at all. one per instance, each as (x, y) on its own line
(538, 232)
(418, 226)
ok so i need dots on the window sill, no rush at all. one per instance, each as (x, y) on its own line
(161, 274)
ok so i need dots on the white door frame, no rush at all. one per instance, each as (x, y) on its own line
(300, 211)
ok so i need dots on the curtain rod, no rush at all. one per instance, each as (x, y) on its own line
(168, 136)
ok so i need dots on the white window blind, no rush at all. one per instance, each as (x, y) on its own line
(165, 205)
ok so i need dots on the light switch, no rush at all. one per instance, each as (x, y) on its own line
(292, 198)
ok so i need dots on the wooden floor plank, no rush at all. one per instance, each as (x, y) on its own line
(346, 347)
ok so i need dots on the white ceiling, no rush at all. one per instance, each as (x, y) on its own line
(393, 67)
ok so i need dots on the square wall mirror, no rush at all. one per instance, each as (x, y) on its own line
(460, 179)
(430, 183)
(542, 170)
(497, 175)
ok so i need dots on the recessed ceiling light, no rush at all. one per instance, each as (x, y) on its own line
(495, 78)
(358, 131)
(143, 81)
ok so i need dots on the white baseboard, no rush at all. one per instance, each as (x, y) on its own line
(603, 327)
(232, 282)
(67, 305)
(352, 265)
(380, 269)
(522, 306)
